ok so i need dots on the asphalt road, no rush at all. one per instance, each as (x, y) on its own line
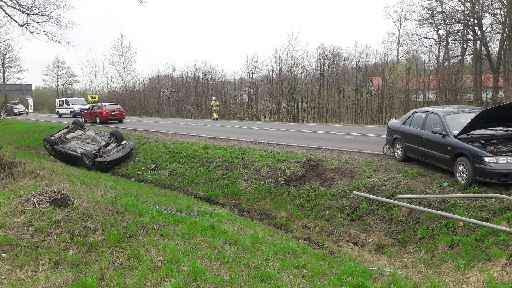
(366, 139)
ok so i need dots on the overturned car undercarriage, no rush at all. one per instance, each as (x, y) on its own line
(93, 149)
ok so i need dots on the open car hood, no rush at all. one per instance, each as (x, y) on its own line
(494, 117)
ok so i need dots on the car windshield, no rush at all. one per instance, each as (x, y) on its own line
(457, 121)
(77, 101)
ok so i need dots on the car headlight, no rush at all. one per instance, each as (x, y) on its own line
(498, 160)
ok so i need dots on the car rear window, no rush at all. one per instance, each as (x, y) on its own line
(113, 106)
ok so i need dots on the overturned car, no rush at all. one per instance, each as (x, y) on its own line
(93, 149)
(475, 143)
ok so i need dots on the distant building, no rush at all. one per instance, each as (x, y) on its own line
(487, 87)
(15, 91)
(375, 84)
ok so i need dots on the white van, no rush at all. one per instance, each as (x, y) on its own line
(70, 106)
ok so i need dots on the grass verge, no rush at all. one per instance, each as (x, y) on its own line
(309, 197)
(119, 233)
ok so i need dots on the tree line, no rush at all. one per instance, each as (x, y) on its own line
(438, 52)
(43, 19)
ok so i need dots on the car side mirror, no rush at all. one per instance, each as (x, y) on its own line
(439, 131)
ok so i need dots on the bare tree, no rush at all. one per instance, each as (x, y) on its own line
(11, 67)
(38, 17)
(123, 61)
(96, 75)
(432, 47)
(90, 75)
(60, 76)
(401, 15)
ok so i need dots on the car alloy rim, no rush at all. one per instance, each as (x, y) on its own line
(462, 172)
(87, 161)
(399, 150)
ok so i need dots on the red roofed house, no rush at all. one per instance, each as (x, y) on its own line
(427, 88)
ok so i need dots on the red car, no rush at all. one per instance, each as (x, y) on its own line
(104, 113)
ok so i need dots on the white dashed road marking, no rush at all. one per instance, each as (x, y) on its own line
(263, 128)
(231, 138)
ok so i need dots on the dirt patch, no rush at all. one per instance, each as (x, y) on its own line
(314, 171)
(48, 197)
(10, 169)
(256, 214)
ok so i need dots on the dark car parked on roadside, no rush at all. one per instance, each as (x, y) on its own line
(474, 143)
(104, 113)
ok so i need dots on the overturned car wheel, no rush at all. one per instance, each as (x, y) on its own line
(117, 137)
(48, 144)
(77, 125)
(88, 160)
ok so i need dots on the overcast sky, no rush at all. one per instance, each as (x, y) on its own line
(221, 32)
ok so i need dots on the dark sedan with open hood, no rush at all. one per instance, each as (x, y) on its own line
(474, 143)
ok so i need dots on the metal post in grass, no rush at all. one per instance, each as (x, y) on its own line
(455, 196)
(447, 215)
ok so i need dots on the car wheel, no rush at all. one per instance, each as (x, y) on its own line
(84, 119)
(98, 121)
(50, 141)
(399, 151)
(59, 115)
(117, 136)
(463, 171)
(88, 160)
(78, 125)
(120, 121)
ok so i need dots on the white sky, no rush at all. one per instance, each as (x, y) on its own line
(221, 32)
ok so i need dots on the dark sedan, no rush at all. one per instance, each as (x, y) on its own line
(474, 143)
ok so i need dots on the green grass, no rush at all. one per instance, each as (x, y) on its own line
(254, 178)
(120, 233)
(265, 185)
